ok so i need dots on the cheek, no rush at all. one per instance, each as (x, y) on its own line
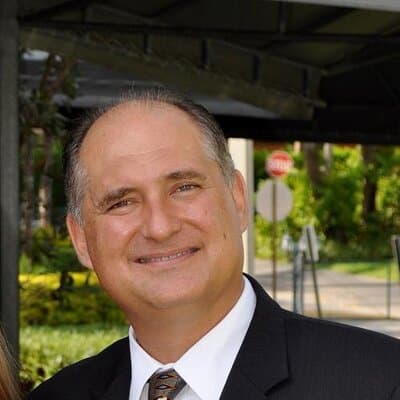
(199, 213)
(109, 234)
(213, 215)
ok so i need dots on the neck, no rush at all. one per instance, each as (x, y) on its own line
(168, 334)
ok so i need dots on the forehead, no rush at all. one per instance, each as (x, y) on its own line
(140, 127)
(145, 137)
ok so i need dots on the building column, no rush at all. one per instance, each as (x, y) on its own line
(9, 177)
(242, 154)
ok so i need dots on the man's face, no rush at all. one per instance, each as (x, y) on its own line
(161, 227)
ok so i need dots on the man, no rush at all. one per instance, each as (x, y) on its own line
(157, 210)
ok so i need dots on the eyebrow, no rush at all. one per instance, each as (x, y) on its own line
(186, 174)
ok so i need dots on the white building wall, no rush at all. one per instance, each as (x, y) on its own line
(242, 154)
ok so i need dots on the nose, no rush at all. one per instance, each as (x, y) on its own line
(160, 222)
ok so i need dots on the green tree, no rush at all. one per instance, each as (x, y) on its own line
(42, 127)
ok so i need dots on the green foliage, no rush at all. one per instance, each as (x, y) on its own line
(43, 302)
(355, 250)
(304, 203)
(338, 207)
(43, 129)
(58, 195)
(388, 196)
(263, 237)
(335, 205)
(45, 350)
(51, 251)
(259, 168)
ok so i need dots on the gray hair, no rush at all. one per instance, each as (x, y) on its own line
(213, 139)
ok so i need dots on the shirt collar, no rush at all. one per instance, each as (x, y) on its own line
(213, 355)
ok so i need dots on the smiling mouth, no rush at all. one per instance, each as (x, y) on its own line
(153, 259)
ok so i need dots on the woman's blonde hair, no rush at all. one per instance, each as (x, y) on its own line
(8, 387)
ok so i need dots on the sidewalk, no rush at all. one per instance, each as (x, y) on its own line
(351, 299)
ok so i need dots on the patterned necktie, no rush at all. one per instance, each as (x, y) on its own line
(165, 385)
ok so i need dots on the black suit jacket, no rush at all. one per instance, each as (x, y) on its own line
(284, 356)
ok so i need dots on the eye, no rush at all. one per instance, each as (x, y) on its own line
(119, 204)
(186, 187)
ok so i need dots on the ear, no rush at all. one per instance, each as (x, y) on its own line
(78, 237)
(240, 197)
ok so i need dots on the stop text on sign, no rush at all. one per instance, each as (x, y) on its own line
(279, 164)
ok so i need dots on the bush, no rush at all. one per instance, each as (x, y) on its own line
(45, 350)
(52, 251)
(44, 303)
(338, 203)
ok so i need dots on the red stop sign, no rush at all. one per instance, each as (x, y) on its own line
(278, 164)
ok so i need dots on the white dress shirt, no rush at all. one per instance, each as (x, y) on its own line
(206, 365)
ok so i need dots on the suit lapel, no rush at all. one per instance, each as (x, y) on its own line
(112, 378)
(262, 359)
(119, 387)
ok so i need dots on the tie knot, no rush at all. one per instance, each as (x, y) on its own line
(165, 385)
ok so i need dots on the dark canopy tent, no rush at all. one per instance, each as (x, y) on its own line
(324, 71)
(329, 73)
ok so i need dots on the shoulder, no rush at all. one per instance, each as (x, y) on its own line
(96, 371)
(332, 334)
(313, 343)
(324, 359)
(317, 337)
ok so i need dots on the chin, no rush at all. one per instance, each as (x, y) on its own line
(182, 294)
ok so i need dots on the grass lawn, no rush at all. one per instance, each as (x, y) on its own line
(45, 350)
(377, 269)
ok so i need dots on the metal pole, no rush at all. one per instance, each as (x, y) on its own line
(273, 239)
(302, 268)
(396, 251)
(295, 281)
(388, 290)
(395, 242)
(9, 177)
(314, 274)
(298, 281)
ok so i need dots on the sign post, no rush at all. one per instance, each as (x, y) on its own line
(274, 238)
(277, 166)
(312, 255)
(395, 241)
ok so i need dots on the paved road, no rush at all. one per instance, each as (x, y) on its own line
(352, 299)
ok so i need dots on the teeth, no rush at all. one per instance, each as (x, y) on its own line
(146, 260)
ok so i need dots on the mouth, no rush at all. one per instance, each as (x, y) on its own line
(166, 257)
